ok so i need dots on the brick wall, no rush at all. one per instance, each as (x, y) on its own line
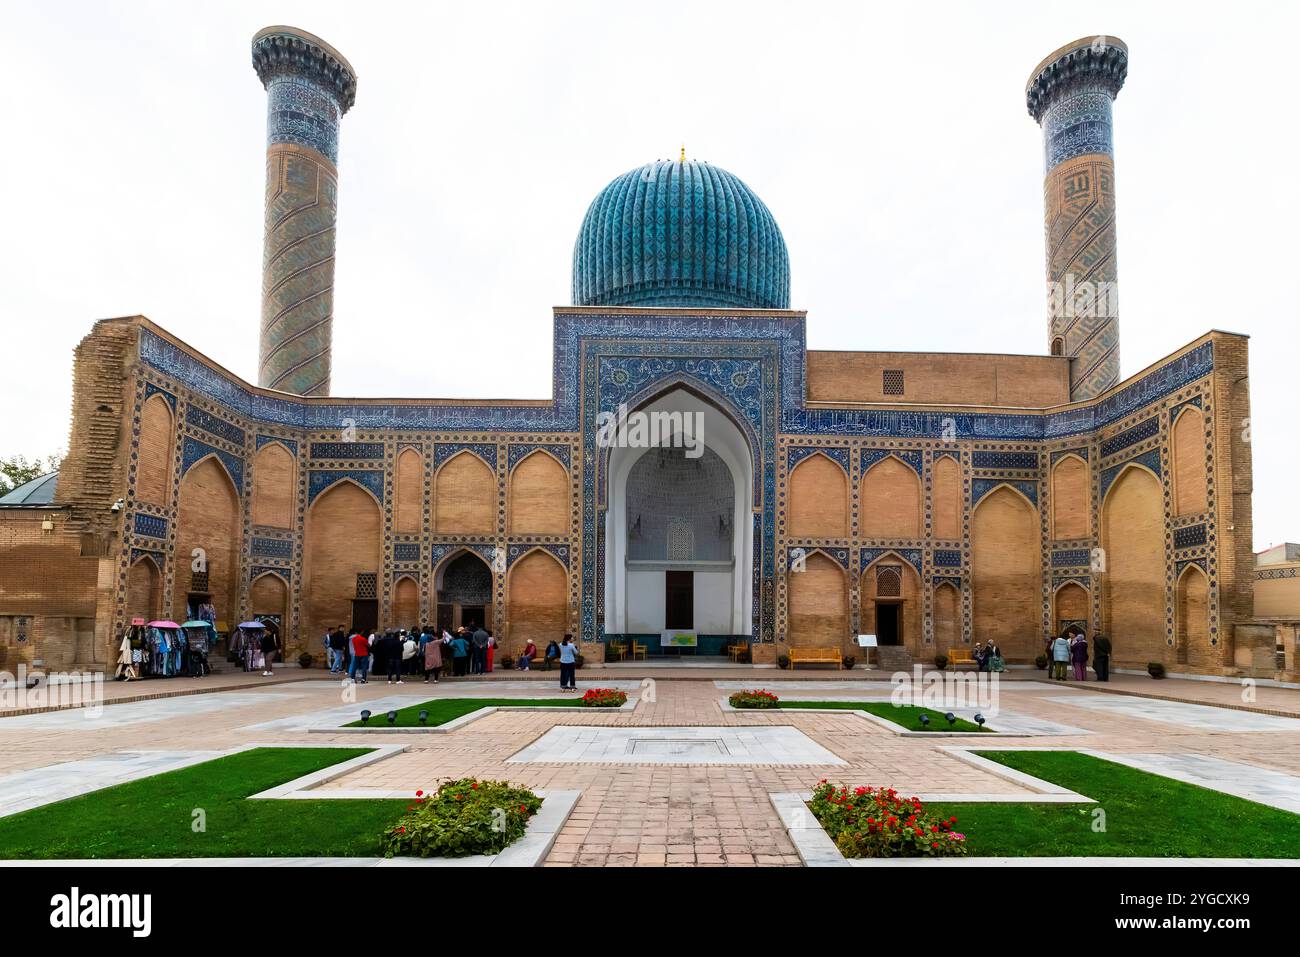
(1005, 574)
(273, 487)
(539, 497)
(342, 539)
(465, 496)
(944, 379)
(819, 499)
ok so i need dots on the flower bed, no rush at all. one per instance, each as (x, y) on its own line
(757, 698)
(876, 822)
(604, 698)
(462, 817)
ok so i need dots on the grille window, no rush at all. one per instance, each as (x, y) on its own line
(199, 582)
(367, 585)
(893, 384)
(889, 581)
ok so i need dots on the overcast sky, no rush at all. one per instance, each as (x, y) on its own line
(892, 144)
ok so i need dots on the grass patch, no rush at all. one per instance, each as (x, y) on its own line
(442, 710)
(906, 715)
(1147, 815)
(153, 817)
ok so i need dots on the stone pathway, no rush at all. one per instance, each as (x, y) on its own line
(1203, 717)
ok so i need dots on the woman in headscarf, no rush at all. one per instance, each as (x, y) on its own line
(432, 659)
(1079, 657)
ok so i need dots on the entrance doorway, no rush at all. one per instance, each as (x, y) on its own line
(889, 624)
(365, 615)
(679, 599)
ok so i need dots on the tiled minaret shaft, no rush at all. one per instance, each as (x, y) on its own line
(309, 86)
(1070, 95)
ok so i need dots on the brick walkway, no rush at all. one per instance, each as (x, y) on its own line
(697, 814)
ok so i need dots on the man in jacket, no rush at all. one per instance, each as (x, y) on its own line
(360, 657)
(1101, 657)
(480, 644)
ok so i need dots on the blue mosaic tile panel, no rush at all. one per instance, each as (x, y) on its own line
(517, 453)
(1150, 459)
(192, 450)
(910, 555)
(518, 550)
(272, 548)
(1189, 536)
(151, 526)
(1004, 460)
(797, 453)
(318, 480)
(841, 555)
(406, 552)
(982, 486)
(290, 444)
(1143, 430)
(346, 450)
(911, 457)
(445, 450)
(198, 419)
(1071, 558)
(151, 390)
(947, 558)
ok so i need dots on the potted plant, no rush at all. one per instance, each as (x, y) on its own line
(306, 659)
(783, 661)
(1041, 661)
(941, 662)
(849, 662)
(1155, 669)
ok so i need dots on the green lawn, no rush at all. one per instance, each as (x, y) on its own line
(442, 710)
(907, 715)
(1146, 815)
(154, 817)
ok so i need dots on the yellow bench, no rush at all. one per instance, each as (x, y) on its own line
(960, 656)
(819, 656)
(736, 652)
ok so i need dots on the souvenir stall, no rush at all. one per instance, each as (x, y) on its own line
(200, 636)
(165, 651)
(246, 645)
(130, 653)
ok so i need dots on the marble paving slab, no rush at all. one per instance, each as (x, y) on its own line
(1199, 716)
(578, 744)
(140, 712)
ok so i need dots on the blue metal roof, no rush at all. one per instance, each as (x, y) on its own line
(39, 491)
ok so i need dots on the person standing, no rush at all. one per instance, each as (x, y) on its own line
(432, 658)
(1101, 657)
(1060, 657)
(269, 645)
(460, 654)
(1079, 655)
(479, 642)
(409, 664)
(360, 657)
(491, 650)
(568, 664)
(339, 648)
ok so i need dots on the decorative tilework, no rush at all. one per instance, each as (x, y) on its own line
(193, 450)
(1189, 536)
(516, 551)
(515, 453)
(947, 558)
(151, 526)
(1275, 574)
(406, 551)
(289, 444)
(910, 555)
(1022, 461)
(1150, 459)
(196, 418)
(797, 453)
(982, 486)
(151, 390)
(1147, 429)
(910, 457)
(1071, 558)
(840, 555)
(272, 548)
(318, 480)
(346, 451)
(445, 450)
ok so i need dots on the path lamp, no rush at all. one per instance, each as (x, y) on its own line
(391, 716)
(925, 721)
(952, 718)
(424, 717)
(365, 717)
(980, 719)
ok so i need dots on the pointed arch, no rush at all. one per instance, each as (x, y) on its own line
(1133, 582)
(465, 496)
(537, 600)
(818, 597)
(1006, 570)
(946, 617)
(539, 495)
(274, 486)
(153, 475)
(901, 624)
(406, 602)
(209, 527)
(269, 595)
(1070, 497)
(464, 585)
(1072, 605)
(1192, 616)
(342, 540)
(408, 496)
(890, 500)
(144, 589)
(1187, 446)
(946, 498)
(817, 503)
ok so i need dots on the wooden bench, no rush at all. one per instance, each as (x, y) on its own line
(960, 656)
(819, 656)
(736, 652)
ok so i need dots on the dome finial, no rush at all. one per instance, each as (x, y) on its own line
(683, 159)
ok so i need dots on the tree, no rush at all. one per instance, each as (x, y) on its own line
(15, 470)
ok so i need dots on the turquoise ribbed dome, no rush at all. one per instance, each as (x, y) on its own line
(680, 234)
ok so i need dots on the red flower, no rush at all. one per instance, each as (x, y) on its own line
(419, 794)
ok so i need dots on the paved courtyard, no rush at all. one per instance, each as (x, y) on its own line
(678, 780)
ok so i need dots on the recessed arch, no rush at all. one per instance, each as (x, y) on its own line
(818, 603)
(269, 597)
(1072, 606)
(537, 600)
(465, 587)
(946, 617)
(144, 589)
(465, 495)
(945, 495)
(342, 543)
(209, 525)
(1070, 497)
(891, 603)
(1187, 447)
(1006, 582)
(817, 501)
(408, 494)
(1192, 616)
(1133, 576)
(274, 486)
(406, 602)
(890, 500)
(154, 465)
(539, 495)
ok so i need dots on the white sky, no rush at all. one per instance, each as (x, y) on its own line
(891, 144)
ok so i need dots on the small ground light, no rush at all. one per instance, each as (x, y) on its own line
(365, 716)
(391, 716)
(925, 720)
(424, 716)
(980, 719)
(952, 718)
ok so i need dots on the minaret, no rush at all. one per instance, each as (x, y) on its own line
(309, 86)
(1070, 95)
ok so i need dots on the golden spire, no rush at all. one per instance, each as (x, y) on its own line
(683, 159)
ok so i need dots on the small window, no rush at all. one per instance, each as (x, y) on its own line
(199, 582)
(889, 581)
(893, 382)
(1058, 346)
(367, 585)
